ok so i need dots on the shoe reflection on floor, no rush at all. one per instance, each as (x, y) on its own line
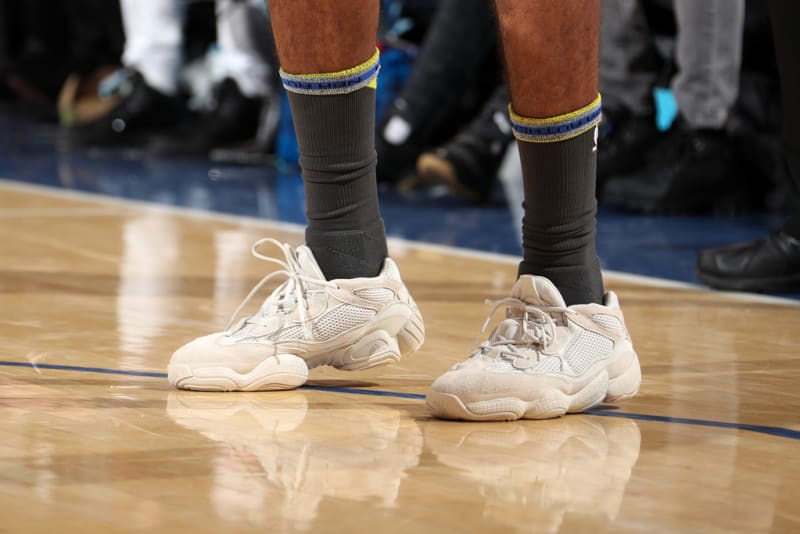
(542, 473)
(276, 452)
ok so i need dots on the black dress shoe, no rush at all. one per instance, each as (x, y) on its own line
(622, 149)
(396, 157)
(688, 171)
(469, 162)
(408, 130)
(141, 111)
(234, 118)
(770, 264)
(399, 141)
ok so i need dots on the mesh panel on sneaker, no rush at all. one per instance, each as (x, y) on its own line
(375, 294)
(289, 332)
(609, 322)
(585, 349)
(391, 271)
(548, 365)
(340, 320)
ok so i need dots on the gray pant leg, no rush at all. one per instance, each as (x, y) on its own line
(626, 79)
(709, 54)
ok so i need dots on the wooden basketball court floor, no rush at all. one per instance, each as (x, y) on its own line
(96, 293)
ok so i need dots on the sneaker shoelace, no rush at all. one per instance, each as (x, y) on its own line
(535, 328)
(293, 293)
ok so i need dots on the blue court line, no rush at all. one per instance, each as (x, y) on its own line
(374, 392)
(82, 369)
(761, 429)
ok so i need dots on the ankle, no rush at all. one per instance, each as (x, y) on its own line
(349, 253)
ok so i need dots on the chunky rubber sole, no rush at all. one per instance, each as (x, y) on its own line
(276, 373)
(548, 403)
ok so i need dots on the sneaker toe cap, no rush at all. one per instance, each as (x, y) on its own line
(216, 350)
(473, 385)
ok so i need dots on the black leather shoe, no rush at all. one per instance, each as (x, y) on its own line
(408, 130)
(399, 142)
(234, 118)
(141, 111)
(623, 148)
(396, 159)
(688, 171)
(469, 162)
(770, 264)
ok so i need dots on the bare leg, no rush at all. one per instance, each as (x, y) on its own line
(323, 35)
(551, 50)
(328, 66)
(551, 55)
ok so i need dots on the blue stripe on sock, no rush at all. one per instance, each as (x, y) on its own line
(327, 85)
(557, 129)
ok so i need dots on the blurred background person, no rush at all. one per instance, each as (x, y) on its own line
(456, 70)
(149, 108)
(82, 39)
(693, 166)
(771, 263)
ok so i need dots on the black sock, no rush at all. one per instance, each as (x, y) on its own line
(336, 140)
(558, 230)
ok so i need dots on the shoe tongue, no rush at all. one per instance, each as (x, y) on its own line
(308, 265)
(537, 291)
(507, 329)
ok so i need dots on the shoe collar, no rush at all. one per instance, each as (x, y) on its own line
(538, 291)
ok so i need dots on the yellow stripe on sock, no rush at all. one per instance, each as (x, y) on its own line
(528, 121)
(358, 69)
(558, 128)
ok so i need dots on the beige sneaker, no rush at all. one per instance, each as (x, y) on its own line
(306, 322)
(544, 360)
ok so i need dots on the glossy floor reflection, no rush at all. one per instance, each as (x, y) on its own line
(295, 455)
(95, 294)
(280, 450)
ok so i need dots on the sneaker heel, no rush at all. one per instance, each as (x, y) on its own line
(411, 336)
(374, 349)
(626, 385)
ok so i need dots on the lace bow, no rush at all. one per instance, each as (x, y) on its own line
(292, 293)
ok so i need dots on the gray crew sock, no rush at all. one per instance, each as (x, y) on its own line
(558, 230)
(336, 140)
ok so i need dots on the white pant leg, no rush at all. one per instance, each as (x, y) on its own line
(154, 40)
(241, 28)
